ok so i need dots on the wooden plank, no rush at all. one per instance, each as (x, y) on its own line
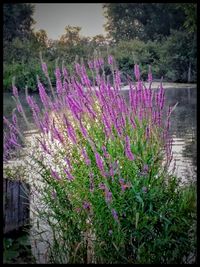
(16, 205)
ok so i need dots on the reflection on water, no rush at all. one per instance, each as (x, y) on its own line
(183, 131)
(183, 127)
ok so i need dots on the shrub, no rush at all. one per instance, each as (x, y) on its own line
(106, 192)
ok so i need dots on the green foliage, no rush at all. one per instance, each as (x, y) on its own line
(144, 21)
(17, 250)
(190, 10)
(182, 50)
(17, 21)
(144, 34)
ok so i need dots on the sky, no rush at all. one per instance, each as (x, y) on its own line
(54, 17)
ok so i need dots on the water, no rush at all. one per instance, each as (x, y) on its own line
(183, 125)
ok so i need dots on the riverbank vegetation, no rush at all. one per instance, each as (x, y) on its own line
(157, 34)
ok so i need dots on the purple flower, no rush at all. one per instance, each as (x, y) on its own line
(19, 108)
(86, 205)
(15, 91)
(70, 129)
(44, 68)
(145, 168)
(115, 215)
(91, 182)
(69, 176)
(105, 153)
(123, 185)
(144, 171)
(99, 162)
(147, 132)
(128, 152)
(68, 163)
(106, 125)
(110, 60)
(117, 79)
(108, 195)
(65, 73)
(14, 119)
(91, 64)
(144, 189)
(100, 61)
(55, 175)
(85, 155)
(102, 186)
(53, 194)
(45, 147)
(83, 130)
(56, 134)
(43, 96)
(121, 180)
(78, 68)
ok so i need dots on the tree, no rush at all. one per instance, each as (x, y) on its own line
(99, 40)
(71, 36)
(190, 10)
(144, 21)
(17, 21)
(41, 37)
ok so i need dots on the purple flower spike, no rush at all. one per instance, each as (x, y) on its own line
(43, 144)
(44, 68)
(108, 196)
(55, 175)
(110, 60)
(128, 152)
(85, 155)
(19, 108)
(91, 64)
(99, 162)
(15, 91)
(14, 119)
(69, 176)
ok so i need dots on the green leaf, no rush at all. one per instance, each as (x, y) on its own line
(9, 255)
(136, 220)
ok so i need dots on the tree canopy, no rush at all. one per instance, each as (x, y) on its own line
(144, 21)
(17, 21)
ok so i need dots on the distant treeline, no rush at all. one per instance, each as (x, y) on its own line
(156, 34)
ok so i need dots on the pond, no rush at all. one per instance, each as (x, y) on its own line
(183, 125)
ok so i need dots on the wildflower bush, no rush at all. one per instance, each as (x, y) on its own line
(104, 168)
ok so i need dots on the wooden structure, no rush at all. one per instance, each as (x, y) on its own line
(15, 205)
